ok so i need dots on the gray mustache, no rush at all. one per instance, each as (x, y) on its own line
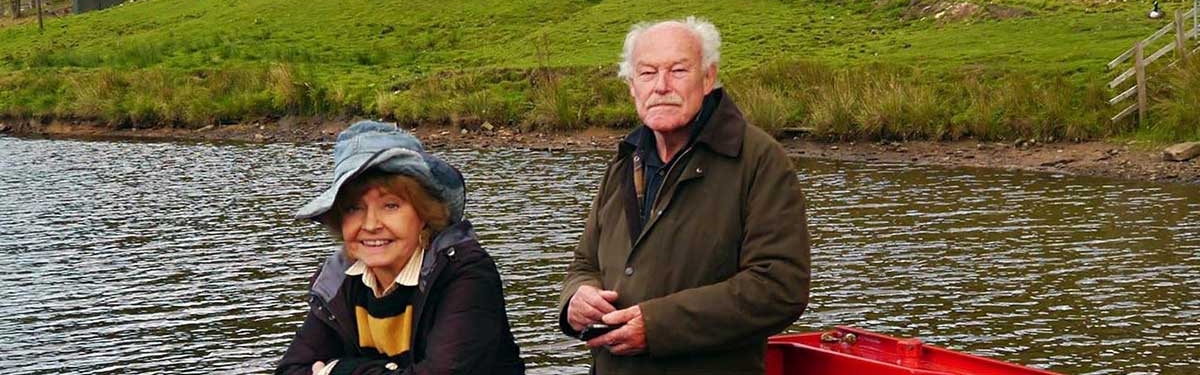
(671, 99)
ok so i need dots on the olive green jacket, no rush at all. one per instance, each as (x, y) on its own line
(721, 263)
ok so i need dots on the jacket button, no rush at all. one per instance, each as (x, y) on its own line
(629, 271)
(391, 366)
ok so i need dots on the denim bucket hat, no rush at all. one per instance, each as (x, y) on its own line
(370, 144)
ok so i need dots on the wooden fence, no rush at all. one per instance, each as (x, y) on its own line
(1182, 51)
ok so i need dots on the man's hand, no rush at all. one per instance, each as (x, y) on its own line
(588, 305)
(627, 340)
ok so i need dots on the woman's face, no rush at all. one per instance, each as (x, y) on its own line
(381, 229)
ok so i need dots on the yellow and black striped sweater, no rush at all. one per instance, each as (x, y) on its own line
(385, 323)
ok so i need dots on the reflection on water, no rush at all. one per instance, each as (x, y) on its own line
(180, 258)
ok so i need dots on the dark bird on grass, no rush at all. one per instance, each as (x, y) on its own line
(1156, 13)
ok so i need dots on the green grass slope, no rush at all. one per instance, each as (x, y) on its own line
(870, 69)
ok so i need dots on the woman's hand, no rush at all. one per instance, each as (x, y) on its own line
(321, 368)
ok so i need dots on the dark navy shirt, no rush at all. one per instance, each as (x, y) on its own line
(655, 169)
(655, 172)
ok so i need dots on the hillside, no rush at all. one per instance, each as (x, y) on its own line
(847, 69)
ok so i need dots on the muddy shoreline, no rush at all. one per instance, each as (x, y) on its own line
(1131, 161)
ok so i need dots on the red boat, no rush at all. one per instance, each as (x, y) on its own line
(854, 351)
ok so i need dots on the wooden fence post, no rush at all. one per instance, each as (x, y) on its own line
(39, 10)
(1140, 67)
(1181, 47)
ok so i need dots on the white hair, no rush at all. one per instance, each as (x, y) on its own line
(704, 31)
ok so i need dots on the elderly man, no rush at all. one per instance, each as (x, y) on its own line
(696, 245)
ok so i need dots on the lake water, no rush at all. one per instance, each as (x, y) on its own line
(181, 257)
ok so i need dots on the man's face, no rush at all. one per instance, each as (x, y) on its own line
(668, 83)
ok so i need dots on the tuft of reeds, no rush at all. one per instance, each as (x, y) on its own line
(1176, 114)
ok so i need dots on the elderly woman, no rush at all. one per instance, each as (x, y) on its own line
(410, 291)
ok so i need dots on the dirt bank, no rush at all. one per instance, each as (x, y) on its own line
(1117, 160)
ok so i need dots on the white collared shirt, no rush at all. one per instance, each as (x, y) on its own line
(409, 276)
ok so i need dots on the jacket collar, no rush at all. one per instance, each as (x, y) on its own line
(444, 243)
(722, 127)
(453, 235)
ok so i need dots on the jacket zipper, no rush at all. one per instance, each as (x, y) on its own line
(419, 311)
(659, 195)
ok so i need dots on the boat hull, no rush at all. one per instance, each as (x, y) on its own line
(854, 351)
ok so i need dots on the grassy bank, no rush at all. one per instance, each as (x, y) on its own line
(847, 69)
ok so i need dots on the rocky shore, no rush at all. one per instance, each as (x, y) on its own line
(1124, 160)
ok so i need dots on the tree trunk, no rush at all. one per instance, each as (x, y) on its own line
(16, 9)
